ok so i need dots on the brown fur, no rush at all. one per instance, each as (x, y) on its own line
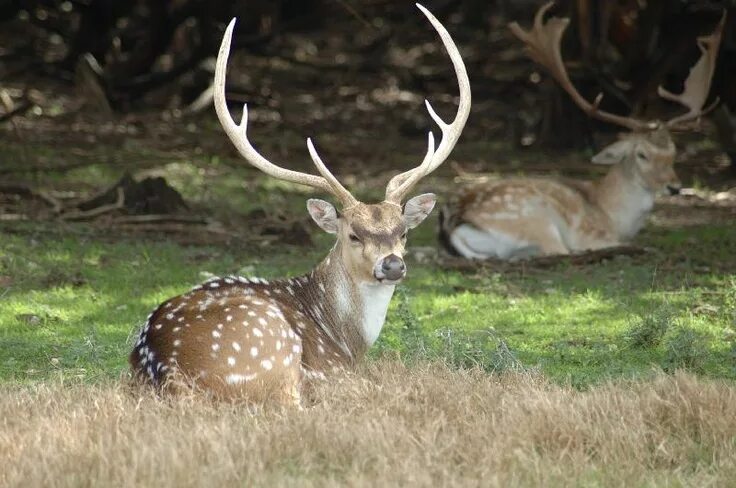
(235, 335)
(558, 216)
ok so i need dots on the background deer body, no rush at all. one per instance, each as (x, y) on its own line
(523, 217)
(233, 335)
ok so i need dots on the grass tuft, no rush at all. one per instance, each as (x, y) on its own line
(648, 330)
(686, 348)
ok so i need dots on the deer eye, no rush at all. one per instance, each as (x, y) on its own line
(353, 238)
(403, 236)
(642, 156)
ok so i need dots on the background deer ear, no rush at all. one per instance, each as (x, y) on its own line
(324, 214)
(416, 209)
(615, 153)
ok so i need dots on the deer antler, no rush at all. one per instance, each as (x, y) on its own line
(543, 46)
(697, 84)
(239, 137)
(402, 183)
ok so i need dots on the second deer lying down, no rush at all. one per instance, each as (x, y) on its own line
(523, 217)
(236, 336)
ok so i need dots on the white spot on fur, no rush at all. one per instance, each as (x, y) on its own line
(234, 379)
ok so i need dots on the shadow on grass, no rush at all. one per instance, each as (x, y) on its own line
(90, 297)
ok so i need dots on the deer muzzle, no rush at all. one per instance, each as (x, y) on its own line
(390, 269)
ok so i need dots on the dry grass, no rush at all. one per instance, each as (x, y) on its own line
(386, 425)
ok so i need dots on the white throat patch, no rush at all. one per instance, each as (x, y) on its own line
(375, 298)
(630, 216)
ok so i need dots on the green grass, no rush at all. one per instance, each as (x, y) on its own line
(76, 297)
(72, 295)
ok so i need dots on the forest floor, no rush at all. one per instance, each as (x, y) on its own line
(579, 373)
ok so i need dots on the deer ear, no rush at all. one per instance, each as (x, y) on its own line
(418, 208)
(324, 214)
(613, 154)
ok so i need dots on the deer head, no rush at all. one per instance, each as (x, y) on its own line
(370, 237)
(646, 157)
(648, 151)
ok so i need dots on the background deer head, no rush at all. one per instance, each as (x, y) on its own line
(648, 150)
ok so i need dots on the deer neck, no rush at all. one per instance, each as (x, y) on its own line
(351, 312)
(622, 196)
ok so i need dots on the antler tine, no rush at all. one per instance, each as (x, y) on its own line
(340, 191)
(697, 84)
(543, 46)
(239, 137)
(402, 183)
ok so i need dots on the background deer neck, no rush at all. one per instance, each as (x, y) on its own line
(622, 196)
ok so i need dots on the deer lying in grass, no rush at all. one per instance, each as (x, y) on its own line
(522, 217)
(236, 335)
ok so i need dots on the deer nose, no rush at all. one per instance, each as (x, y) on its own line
(393, 267)
(674, 189)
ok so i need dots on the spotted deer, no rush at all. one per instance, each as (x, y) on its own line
(239, 336)
(522, 217)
